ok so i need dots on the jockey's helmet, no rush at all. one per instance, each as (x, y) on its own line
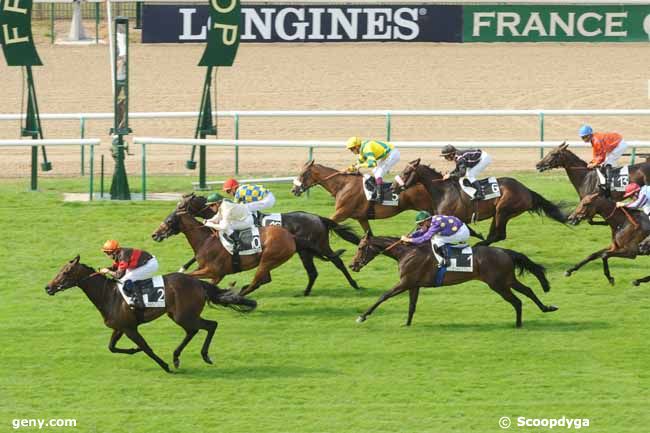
(422, 216)
(631, 189)
(353, 142)
(213, 198)
(448, 150)
(585, 130)
(110, 246)
(230, 185)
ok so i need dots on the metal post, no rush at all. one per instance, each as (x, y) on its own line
(202, 159)
(97, 23)
(92, 172)
(388, 127)
(633, 155)
(236, 146)
(34, 183)
(144, 171)
(311, 153)
(138, 15)
(83, 148)
(101, 178)
(541, 133)
(51, 23)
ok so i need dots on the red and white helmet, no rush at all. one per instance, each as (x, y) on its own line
(230, 185)
(631, 189)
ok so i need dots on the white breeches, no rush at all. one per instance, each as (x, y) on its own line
(384, 165)
(473, 172)
(267, 202)
(231, 226)
(613, 156)
(461, 236)
(148, 270)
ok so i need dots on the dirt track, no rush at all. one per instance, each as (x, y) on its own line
(335, 76)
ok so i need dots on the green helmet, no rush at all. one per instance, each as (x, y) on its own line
(213, 198)
(422, 216)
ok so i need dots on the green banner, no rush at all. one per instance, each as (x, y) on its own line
(223, 34)
(551, 23)
(16, 33)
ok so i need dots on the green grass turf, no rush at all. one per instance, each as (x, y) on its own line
(303, 364)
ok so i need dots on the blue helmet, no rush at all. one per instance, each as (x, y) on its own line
(585, 130)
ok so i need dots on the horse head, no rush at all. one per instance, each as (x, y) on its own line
(169, 227)
(366, 251)
(306, 178)
(69, 276)
(556, 158)
(195, 205)
(407, 178)
(587, 208)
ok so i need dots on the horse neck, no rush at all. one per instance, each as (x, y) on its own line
(396, 252)
(434, 185)
(332, 184)
(576, 170)
(194, 231)
(100, 291)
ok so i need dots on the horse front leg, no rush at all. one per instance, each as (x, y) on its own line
(413, 302)
(607, 255)
(589, 258)
(138, 339)
(399, 288)
(115, 337)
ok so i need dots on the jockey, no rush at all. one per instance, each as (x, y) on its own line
(641, 195)
(229, 218)
(469, 164)
(129, 265)
(606, 147)
(378, 155)
(255, 197)
(441, 230)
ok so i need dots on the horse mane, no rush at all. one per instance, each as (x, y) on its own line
(575, 157)
(433, 171)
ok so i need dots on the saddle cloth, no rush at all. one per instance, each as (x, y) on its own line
(274, 219)
(249, 241)
(620, 177)
(369, 186)
(461, 258)
(153, 292)
(489, 187)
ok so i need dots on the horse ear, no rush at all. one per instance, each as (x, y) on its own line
(417, 161)
(564, 145)
(75, 260)
(310, 163)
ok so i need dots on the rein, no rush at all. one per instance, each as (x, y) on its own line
(630, 218)
(391, 246)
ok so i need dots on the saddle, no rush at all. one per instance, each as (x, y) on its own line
(618, 178)
(242, 242)
(389, 197)
(461, 259)
(489, 187)
(152, 290)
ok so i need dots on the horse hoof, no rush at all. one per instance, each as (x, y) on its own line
(177, 362)
(567, 273)
(551, 308)
(361, 319)
(207, 359)
(611, 281)
(636, 283)
(166, 368)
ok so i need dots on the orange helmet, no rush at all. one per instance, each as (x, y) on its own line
(230, 184)
(110, 246)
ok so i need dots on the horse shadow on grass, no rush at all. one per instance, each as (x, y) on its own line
(529, 325)
(248, 372)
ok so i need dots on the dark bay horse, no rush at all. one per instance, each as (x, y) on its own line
(629, 228)
(304, 225)
(417, 266)
(185, 298)
(584, 180)
(450, 199)
(351, 202)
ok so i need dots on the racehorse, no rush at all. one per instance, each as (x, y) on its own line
(450, 199)
(584, 180)
(418, 267)
(185, 298)
(351, 202)
(629, 228)
(308, 226)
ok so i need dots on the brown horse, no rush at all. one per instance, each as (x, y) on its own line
(629, 228)
(450, 199)
(215, 262)
(185, 298)
(351, 202)
(584, 180)
(418, 267)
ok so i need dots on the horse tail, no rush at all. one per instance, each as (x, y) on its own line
(227, 298)
(550, 209)
(523, 263)
(343, 231)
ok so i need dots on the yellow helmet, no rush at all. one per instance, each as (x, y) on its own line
(353, 142)
(110, 246)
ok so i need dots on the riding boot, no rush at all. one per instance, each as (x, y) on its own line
(235, 242)
(442, 252)
(135, 295)
(608, 180)
(379, 190)
(372, 187)
(478, 195)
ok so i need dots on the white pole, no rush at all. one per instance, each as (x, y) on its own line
(109, 18)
